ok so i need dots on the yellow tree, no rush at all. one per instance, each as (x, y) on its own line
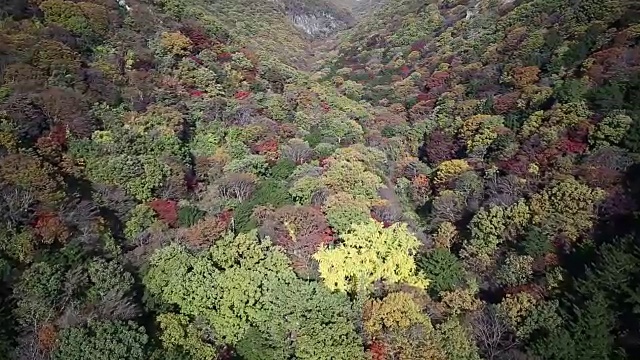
(397, 321)
(369, 253)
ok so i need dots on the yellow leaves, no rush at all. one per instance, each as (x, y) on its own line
(516, 307)
(158, 117)
(445, 235)
(460, 301)
(54, 56)
(369, 253)
(480, 130)
(395, 319)
(532, 124)
(518, 216)
(175, 43)
(472, 125)
(566, 207)
(449, 169)
(414, 55)
(397, 311)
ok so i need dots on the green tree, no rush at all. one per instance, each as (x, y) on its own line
(38, 292)
(242, 287)
(515, 270)
(180, 335)
(102, 341)
(536, 243)
(455, 341)
(443, 268)
(487, 232)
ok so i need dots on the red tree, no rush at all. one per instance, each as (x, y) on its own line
(439, 147)
(436, 80)
(505, 103)
(167, 210)
(378, 350)
(50, 228)
(198, 36)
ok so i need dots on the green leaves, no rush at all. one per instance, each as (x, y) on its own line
(443, 268)
(102, 341)
(242, 287)
(38, 292)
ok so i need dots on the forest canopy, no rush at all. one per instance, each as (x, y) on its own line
(319, 180)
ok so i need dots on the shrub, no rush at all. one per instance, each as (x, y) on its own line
(189, 215)
(83, 18)
(283, 169)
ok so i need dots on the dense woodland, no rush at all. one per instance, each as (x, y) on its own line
(199, 180)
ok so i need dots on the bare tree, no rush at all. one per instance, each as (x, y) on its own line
(504, 191)
(15, 205)
(29, 346)
(491, 334)
(238, 186)
(297, 151)
(449, 206)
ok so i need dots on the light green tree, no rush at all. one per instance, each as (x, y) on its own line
(611, 130)
(566, 207)
(343, 210)
(352, 178)
(241, 288)
(456, 341)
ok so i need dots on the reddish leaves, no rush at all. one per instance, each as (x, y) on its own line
(266, 146)
(224, 56)
(439, 147)
(167, 210)
(537, 291)
(378, 350)
(405, 71)
(505, 103)
(47, 337)
(437, 79)
(208, 230)
(196, 60)
(50, 228)
(420, 188)
(572, 147)
(418, 45)
(198, 37)
(300, 230)
(523, 76)
(241, 95)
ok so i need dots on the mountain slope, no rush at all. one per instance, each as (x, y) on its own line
(457, 180)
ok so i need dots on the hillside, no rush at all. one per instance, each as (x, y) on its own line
(453, 180)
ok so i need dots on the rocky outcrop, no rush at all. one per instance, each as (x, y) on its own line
(318, 24)
(316, 18)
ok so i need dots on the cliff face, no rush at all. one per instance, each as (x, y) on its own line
(318, 24)
(317, 18)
